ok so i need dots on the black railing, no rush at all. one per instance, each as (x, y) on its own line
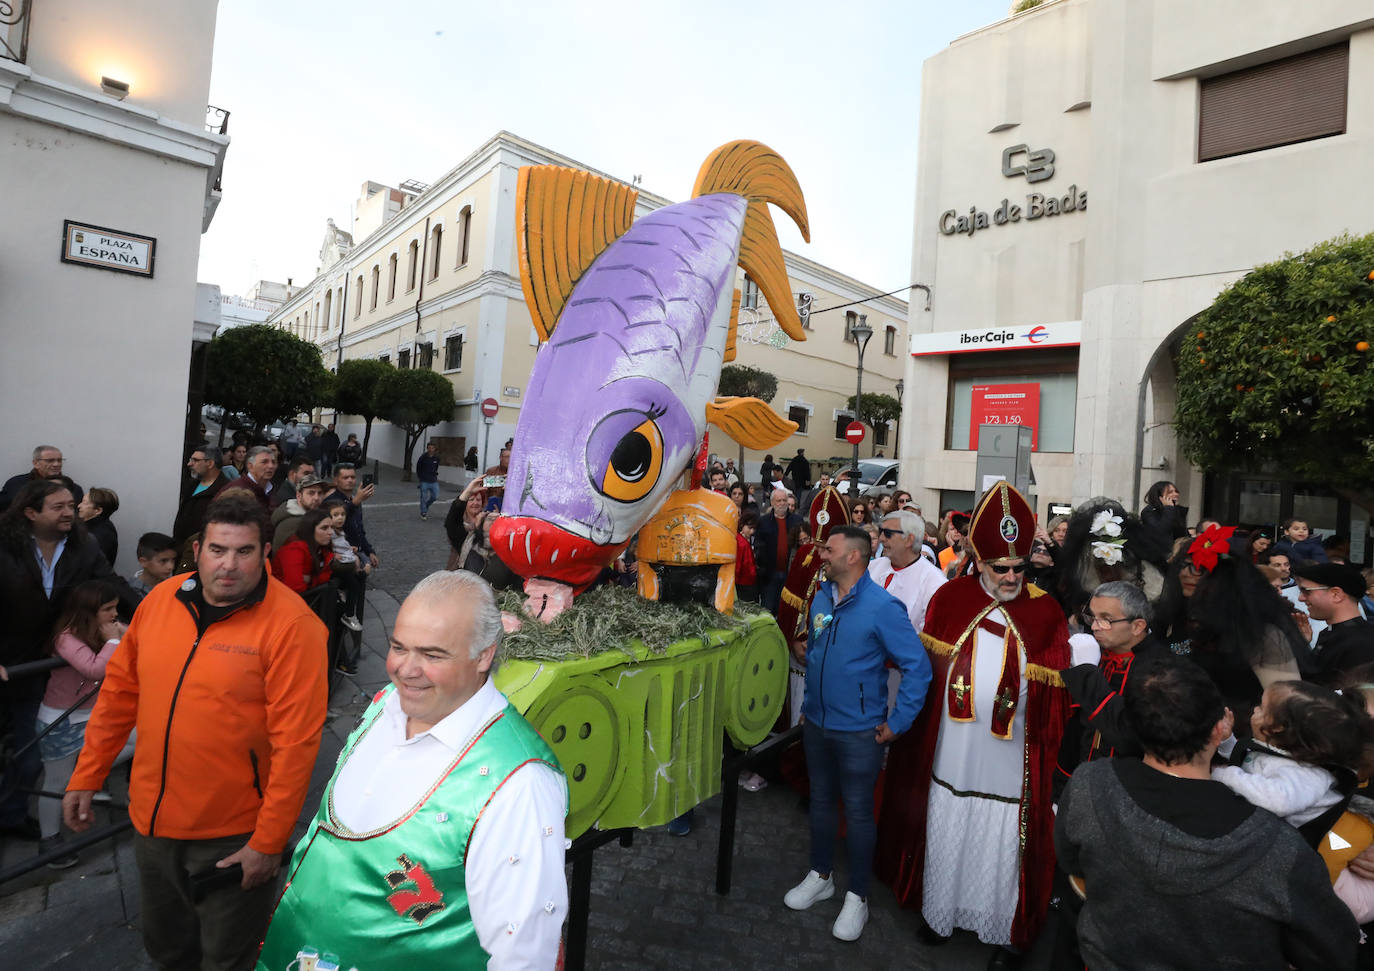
(14, 30)
(216, 119)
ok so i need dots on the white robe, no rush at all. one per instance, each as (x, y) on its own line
(972, 866)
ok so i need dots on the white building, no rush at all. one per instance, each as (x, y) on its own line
(112, 166)
(1091, 174)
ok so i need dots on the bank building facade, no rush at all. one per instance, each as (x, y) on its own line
(1091, 174)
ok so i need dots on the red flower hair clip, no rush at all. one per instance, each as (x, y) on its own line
(1211, 546)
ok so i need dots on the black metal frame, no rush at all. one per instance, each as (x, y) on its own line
(15, 13)
(730, 769)
(580, 890)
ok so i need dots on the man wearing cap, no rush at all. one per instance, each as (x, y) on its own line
(286, 517)
(1332, 593)
(966, 825)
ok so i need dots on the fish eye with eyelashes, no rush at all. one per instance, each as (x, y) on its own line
(625, 455)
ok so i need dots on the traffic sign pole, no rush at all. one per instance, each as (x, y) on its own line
(490, 406)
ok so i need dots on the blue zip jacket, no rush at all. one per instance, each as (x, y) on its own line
(847, 649)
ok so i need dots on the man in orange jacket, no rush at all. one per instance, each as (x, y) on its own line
(224, 674)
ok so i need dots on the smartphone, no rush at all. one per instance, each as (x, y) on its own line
(369, 479)
(494, 481)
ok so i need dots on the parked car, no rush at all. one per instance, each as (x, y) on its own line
(875, 475)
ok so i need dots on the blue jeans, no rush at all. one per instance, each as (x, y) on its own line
(429, 492)
(844, 767)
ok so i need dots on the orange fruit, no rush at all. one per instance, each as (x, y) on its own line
(1362, 345)
(1331, 319)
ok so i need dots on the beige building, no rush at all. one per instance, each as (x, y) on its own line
(1092, 173)
(112, 164)
(427, 277)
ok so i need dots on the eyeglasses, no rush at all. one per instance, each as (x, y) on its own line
(1304, 591)
(56, 461)
(889, 533)
(1003, 569)
(1091, 620)
(1038, 547)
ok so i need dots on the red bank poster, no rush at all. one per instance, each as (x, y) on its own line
(1005, 404)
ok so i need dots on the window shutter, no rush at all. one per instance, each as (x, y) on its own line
(1286, 101)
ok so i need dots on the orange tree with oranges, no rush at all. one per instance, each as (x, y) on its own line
(1277, 371)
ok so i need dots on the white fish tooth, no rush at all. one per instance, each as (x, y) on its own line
(554, 558)
(529, 557)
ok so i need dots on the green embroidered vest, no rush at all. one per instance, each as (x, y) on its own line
(396, 897)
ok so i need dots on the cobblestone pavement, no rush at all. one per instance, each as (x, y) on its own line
(654, 903)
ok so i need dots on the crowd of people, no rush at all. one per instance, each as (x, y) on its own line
(1147, 721)
(1124, 714)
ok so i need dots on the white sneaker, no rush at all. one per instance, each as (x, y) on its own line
(853, 916)
(811, 890)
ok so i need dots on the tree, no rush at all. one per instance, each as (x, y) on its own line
(355, 391)
(876, 409)
(742, 381)
(265, 373)
(413, 400)
(1276, 372)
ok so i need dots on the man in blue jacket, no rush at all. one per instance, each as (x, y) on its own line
(855, 628)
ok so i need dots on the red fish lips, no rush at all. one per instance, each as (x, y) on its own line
(535, 548)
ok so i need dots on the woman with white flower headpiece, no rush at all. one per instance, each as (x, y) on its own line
(1105, 543)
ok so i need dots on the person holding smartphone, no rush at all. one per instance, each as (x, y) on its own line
(494, 481)
(1162, 514)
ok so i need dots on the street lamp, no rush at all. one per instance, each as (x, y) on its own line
(897, 445)
(861, 333)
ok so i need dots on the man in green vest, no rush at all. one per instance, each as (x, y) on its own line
(439, 840)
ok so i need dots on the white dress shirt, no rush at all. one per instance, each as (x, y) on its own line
(914, 585)
(516, 888)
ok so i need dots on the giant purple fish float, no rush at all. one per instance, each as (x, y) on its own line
(635, 320)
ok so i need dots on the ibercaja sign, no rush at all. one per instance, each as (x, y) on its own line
(1017, 161)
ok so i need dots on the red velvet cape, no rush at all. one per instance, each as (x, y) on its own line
(901, 850)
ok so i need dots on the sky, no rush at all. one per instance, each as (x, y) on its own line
(324, 96)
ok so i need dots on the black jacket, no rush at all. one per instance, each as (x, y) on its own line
(1340, 649)
(30, 614)
(799, 471)
(15, 483)
(1167, 522)
(766, 543)
(106, 535)
(191, 515)
(351, 452)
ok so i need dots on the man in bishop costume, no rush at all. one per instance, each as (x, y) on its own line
(966, 825)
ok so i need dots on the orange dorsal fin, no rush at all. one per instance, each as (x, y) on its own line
(759, 174)
(565, 218)
(750, 422)
(732, 336)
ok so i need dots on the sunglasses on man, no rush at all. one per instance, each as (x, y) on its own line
(1002, 569)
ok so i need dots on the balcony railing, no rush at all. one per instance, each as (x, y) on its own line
(14, 30)
(216, 119)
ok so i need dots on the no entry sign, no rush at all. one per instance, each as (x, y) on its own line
(490, 406)
(854, 432)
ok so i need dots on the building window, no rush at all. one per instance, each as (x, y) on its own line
(403, 358)
(376, 285)
(464, 230)
(391, 278)
(1290, 100)
(880, 434)
(749, 300)
(358, 298)
(425, 357)
(328, 301)
(412, 264)
(850, 319)
(1054, 375)
(453, 352)
(842, 420)
(801, 415)
(436, 243)
(384, 358)
(307, 322)
(890, 341)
